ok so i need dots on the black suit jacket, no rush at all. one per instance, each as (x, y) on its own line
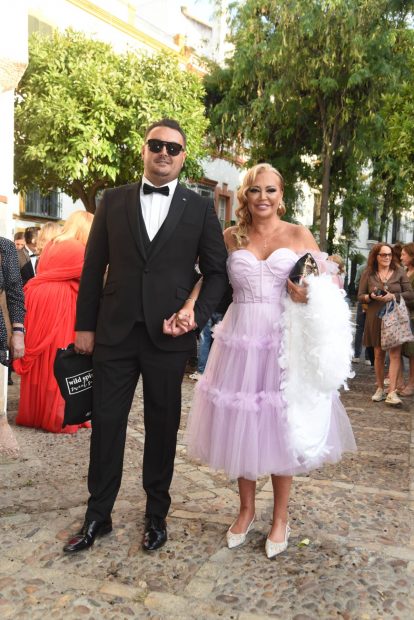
(26, 268)
(156, 283)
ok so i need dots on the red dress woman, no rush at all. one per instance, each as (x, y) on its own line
(50, 299)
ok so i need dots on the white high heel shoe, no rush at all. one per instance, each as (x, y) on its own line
(274, 548)
(235, 540)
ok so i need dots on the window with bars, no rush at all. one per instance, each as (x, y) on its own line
(49, 206)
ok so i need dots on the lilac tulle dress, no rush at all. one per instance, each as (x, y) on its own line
(237, 422)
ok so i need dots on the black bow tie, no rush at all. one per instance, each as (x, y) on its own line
(150, 189)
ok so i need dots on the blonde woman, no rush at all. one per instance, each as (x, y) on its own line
(243, 420)
(50, 300)
(49, 231)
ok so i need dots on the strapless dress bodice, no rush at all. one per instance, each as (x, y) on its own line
(259, 281)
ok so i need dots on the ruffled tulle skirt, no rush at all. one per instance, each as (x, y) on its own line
(238, 420)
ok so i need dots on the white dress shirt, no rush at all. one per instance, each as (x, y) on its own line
(33, 258)
(155, 207)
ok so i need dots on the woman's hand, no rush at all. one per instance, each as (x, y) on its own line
(298, 292)
(382, 298)
(388, 297)
(179, 323)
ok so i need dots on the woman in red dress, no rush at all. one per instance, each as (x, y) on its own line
(50, 299)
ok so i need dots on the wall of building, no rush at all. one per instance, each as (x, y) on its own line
(13, 61)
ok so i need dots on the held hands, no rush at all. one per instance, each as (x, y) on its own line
(298, 292)
(180, 322)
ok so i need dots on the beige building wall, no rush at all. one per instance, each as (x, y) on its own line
(13, 61)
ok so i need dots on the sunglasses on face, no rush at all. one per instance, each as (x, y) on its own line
(156, 146)
(385, 255)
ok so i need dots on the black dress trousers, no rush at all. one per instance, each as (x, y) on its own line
(116, 373)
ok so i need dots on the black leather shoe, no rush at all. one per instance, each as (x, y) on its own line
(86, 537)
(155, 535)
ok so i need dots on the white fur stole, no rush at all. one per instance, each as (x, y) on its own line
(316, 354)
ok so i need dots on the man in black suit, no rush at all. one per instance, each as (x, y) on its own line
(28, 254)
(150, 235)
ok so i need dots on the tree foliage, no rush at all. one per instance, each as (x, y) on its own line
(304, 85)
(81, 111)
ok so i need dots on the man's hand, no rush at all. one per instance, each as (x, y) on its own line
(17, 345)
(178, 324)
(84, 342)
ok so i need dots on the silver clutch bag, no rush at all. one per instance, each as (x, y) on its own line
(305, 266)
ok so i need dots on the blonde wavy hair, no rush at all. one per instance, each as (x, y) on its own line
(244, 218)
(49, 231)
(77, 226)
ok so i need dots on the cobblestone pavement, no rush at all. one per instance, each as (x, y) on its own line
(357, 515)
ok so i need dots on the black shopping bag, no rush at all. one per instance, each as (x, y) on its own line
(73, 373)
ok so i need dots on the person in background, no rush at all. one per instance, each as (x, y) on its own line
(407, 260)
(28, 254)
(19, 240)
(396, 250)
(11, 317)
(383, 281)
(19, 245)
(50, 324)
(339, 277)
(48, 231)
(361, 310)
(206, 334)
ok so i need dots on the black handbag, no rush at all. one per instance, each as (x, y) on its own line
(74, 374)
(305, 266)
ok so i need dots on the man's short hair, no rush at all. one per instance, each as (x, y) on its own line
(167, 122)
(18, 236)
(30, 234)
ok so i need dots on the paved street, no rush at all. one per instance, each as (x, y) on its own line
(359, 563)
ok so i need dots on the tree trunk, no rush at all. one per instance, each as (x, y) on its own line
(383, 230)
(333, 213)
(326, 173)
(88, 195)
(330, 130)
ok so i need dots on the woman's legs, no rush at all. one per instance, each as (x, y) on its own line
(395, 362)
(410, 383)
(379, 366)
(281, 493)
(247, 492)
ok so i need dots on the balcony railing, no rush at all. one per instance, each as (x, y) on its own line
(49, 206)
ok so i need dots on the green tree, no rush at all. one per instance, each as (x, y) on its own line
(306, 75)
(81, 111)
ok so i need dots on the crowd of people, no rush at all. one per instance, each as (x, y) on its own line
(274, 349)
(386, 280)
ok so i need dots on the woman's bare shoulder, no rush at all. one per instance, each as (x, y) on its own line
(301, 236)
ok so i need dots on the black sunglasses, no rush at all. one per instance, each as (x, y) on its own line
(156, 146)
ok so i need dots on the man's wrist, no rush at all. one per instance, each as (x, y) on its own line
(18, 329)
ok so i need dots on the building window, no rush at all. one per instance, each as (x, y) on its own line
(222, 211)
(204, 190)
(49, 206)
